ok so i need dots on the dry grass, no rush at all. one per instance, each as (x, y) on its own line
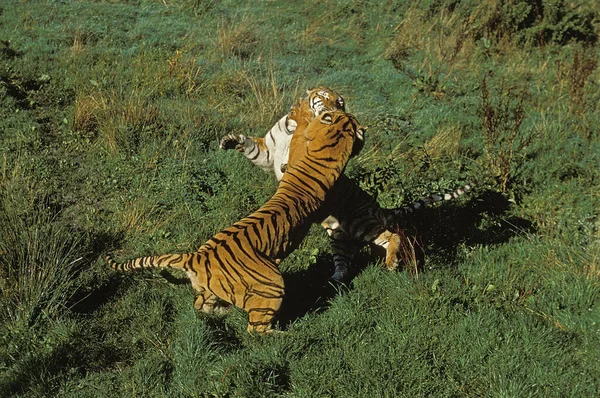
(236, 39)
(271, 100)
(445, 46)
(184, 70)
(140, 216)
(575, 75)
(111, 116)
(503, 114)
(317, 32)
(78, 42)
(444, 144)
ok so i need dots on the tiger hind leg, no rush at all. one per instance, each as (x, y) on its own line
(391, 243)
(262, 306)
(401, 248)
(209, 303)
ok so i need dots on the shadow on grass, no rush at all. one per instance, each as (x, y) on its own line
(84, 352)
(481, 221)
(307, 291)
(95, 293)
(442, 230)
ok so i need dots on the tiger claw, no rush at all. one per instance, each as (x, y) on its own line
(231, 141)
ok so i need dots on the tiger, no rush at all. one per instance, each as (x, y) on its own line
(272, 152)
(355, 216)
(238, 266)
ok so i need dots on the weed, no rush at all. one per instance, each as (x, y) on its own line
(576, 75)
(186, 72)
(502, 116)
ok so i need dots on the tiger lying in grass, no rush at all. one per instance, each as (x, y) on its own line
(353, 216)
(239, 264)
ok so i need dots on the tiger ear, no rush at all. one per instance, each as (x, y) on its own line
(326, 118)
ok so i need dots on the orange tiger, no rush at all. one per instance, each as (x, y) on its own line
(239, 264)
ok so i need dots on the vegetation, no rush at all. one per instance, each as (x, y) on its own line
(110, 115)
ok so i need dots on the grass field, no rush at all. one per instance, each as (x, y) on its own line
(110, 116)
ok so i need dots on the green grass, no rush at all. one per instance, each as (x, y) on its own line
(110, 115)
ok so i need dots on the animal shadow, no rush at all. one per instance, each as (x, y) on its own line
(308, 291)
(480, 221)
(98, 288)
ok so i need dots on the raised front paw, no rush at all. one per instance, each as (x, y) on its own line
(231, 141)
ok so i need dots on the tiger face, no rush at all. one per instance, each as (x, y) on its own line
(316, 101)
(327, 137)
(321, 99)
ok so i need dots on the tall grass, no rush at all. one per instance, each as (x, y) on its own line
(110, 116)
(38, 262)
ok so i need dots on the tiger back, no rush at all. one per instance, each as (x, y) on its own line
(239, 264)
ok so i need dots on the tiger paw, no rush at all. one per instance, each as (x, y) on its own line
(231, 141)
(340, 274)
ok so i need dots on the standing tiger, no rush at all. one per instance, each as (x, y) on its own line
(354, 216)
(239, 264)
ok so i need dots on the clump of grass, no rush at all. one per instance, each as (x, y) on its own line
(444, 44)
(272, 99)
(444, 144)
(451, 34)
(38, 259)
(119, 120)
(236, 39)
(184, 70)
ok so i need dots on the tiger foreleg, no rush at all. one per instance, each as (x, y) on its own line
(238, 142)
(254, 148)
(342, 247)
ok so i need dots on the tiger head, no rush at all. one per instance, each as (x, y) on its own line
(331, 136)
(321, 99)
(316, 101)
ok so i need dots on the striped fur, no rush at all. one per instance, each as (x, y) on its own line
(239, 264)
(355, 216)
(271, 152)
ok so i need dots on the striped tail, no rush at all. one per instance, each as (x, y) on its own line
(401, 212)
(182, 261)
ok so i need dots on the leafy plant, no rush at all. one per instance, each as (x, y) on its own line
(576, 75)
(502, 116)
